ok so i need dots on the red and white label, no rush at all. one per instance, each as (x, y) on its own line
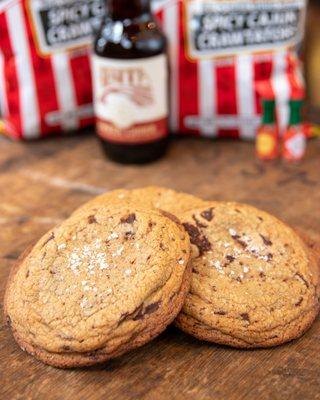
(131, 98)
(294, 143)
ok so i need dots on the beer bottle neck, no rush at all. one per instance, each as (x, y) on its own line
(122, 9)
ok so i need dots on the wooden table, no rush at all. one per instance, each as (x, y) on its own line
(41, 183)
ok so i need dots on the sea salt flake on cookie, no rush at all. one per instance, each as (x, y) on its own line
(113, 235)
(118, 252)
(84, 303)
(232, 232)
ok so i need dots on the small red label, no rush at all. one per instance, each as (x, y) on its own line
(294, 143)
(136, 134)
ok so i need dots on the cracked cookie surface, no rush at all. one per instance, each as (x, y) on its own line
(150, 197)
(99, 285)
(254, 281)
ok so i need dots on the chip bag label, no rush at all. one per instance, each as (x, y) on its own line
(66, 24)
(216, 28)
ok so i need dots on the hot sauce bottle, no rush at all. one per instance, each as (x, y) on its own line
(267, 141)
(294, 138)
(130, 80)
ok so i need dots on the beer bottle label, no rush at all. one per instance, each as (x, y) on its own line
(131, 99)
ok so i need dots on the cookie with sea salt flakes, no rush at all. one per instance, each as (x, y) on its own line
(99, 285)
(254, 281)
(150, 197)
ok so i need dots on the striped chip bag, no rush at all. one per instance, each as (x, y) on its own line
(224, 54)
(45, 78)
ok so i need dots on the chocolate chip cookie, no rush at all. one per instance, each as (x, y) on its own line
(98, 285)
(150, 197)
(254, 281)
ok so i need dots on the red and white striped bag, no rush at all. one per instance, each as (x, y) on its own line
(45, 78)
(224, 54)
(216, 81)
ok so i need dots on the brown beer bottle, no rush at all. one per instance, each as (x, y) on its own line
(130, 79)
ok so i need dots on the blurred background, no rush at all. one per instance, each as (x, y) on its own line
(217, 87)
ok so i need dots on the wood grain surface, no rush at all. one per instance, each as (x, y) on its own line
(42, 182)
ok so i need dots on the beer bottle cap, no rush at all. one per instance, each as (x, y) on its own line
(268, 107)
(295, 112)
